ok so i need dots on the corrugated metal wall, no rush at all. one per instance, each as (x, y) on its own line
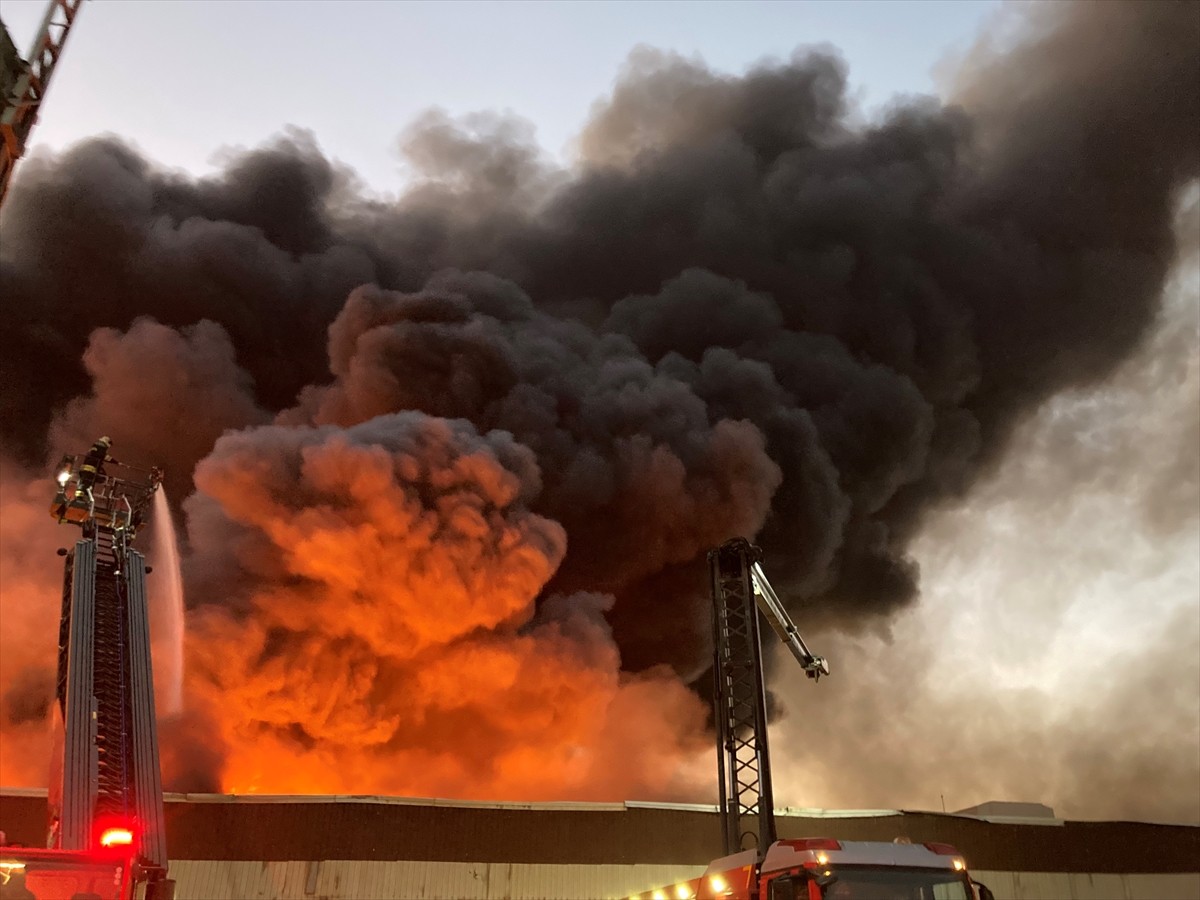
(375, 880)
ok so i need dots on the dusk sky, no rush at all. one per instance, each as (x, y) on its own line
(1061, 593)
(184, 79)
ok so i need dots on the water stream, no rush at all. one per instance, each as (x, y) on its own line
(167, 610)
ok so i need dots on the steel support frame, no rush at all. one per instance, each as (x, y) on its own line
(743, 760)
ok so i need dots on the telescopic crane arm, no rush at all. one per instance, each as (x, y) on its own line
(768, 604)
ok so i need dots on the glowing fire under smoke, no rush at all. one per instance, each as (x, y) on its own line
(387, 633)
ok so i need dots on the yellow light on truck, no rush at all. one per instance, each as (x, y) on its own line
(822, 858)
(958, 864)
(659, 895)
(718, 884)
(64, 476)
(683, 892)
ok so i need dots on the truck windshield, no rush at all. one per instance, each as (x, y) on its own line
(29, 878)
(867, 883)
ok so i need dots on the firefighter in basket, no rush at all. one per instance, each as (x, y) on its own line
(77, 503)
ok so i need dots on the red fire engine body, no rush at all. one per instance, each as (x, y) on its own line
(107, 873)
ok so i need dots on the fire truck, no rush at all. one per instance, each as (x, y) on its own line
(105, 838)
(758, 866)
(830, 869)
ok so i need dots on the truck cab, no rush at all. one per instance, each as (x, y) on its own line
(829, 869)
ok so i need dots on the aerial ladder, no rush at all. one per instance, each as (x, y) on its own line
(757, 864)
(105, 836)
(23, 83)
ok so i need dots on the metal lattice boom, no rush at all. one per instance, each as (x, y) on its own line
(747, 801)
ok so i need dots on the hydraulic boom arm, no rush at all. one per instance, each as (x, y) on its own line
(775, 614)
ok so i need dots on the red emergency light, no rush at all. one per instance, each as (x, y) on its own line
(116, 834)
(116, 837)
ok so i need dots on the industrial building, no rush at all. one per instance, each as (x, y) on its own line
(356, 848)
